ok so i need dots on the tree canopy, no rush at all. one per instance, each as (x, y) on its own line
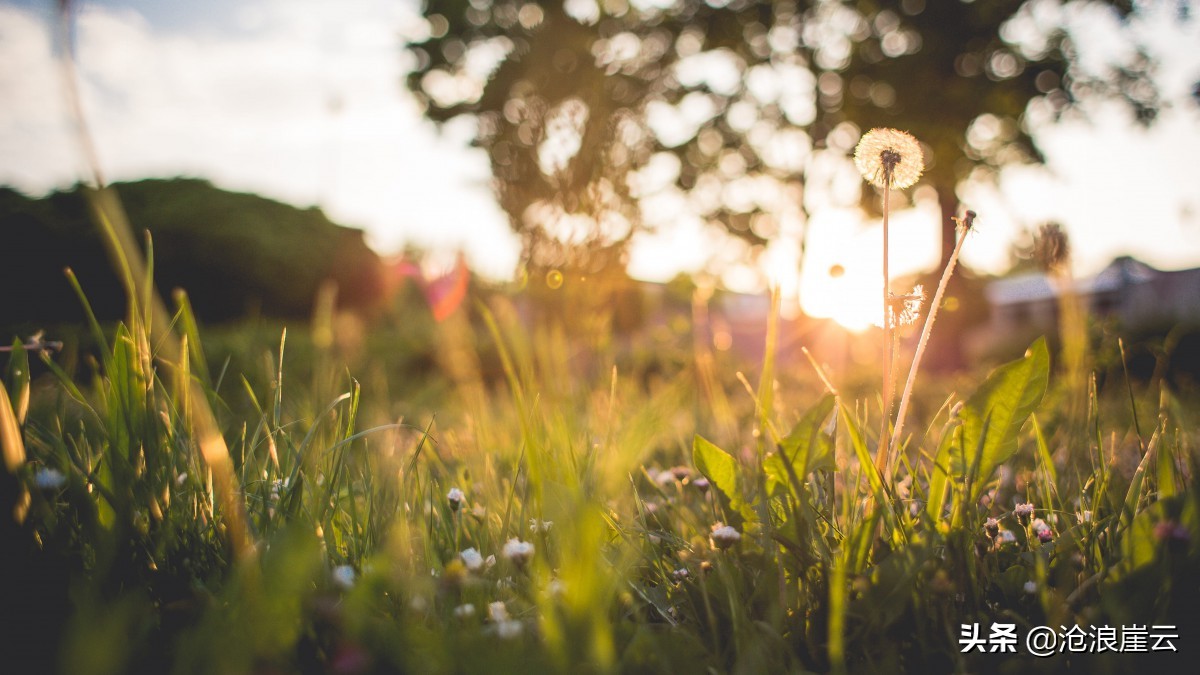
(603, 117)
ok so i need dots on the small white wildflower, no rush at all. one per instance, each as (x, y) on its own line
(543, 526)
(1085, 517)
(1039, 526)
(343, 576)
(181, 479)
(498, 611)
(509, 630)
(464, 611)
(49, 479)
(1007, 537)
(654, 539)
(1031, 587)
(517, 551)
(664, 478)
(700, 484)
(472, 559)
(680, 574)
(724, 536)
(490, 562)
(456, 498)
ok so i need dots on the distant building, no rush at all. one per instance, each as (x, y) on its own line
(1128, 290)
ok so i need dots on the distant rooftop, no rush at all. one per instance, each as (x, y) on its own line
(1034, 287)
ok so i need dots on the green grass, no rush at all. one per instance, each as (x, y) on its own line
(499, 498)
(125, 556)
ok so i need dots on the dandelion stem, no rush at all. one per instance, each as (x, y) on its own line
(881, 453)
(963, 227)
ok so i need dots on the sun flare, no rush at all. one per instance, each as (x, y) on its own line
(851, 298)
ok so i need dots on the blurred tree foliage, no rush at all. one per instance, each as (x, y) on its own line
(585, 105)
(235, 254)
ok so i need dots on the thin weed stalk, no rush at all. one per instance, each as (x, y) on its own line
(964, 226)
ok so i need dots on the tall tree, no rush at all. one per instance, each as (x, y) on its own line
(960, 75)
(584, 106)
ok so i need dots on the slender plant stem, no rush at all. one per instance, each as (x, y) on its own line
(963, 227)
(881, 453)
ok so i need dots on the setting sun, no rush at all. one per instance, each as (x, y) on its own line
(841, 278)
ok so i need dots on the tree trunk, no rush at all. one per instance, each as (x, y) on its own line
(948, 202)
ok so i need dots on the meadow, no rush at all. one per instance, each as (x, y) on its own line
(501, 493)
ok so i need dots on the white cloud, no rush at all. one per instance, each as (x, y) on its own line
(305, 104)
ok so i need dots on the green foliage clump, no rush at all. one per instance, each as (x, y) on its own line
(558, 524)
(235, 254)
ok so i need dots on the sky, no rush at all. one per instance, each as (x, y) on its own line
(304, 101)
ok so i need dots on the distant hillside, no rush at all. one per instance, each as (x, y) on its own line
(235, 254)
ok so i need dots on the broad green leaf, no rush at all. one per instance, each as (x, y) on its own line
(995, 413)
(807, 448)
(940, 472)
(720, 468)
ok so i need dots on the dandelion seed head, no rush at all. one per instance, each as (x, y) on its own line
(889, 158)
(904, 310)
(1052, 248)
